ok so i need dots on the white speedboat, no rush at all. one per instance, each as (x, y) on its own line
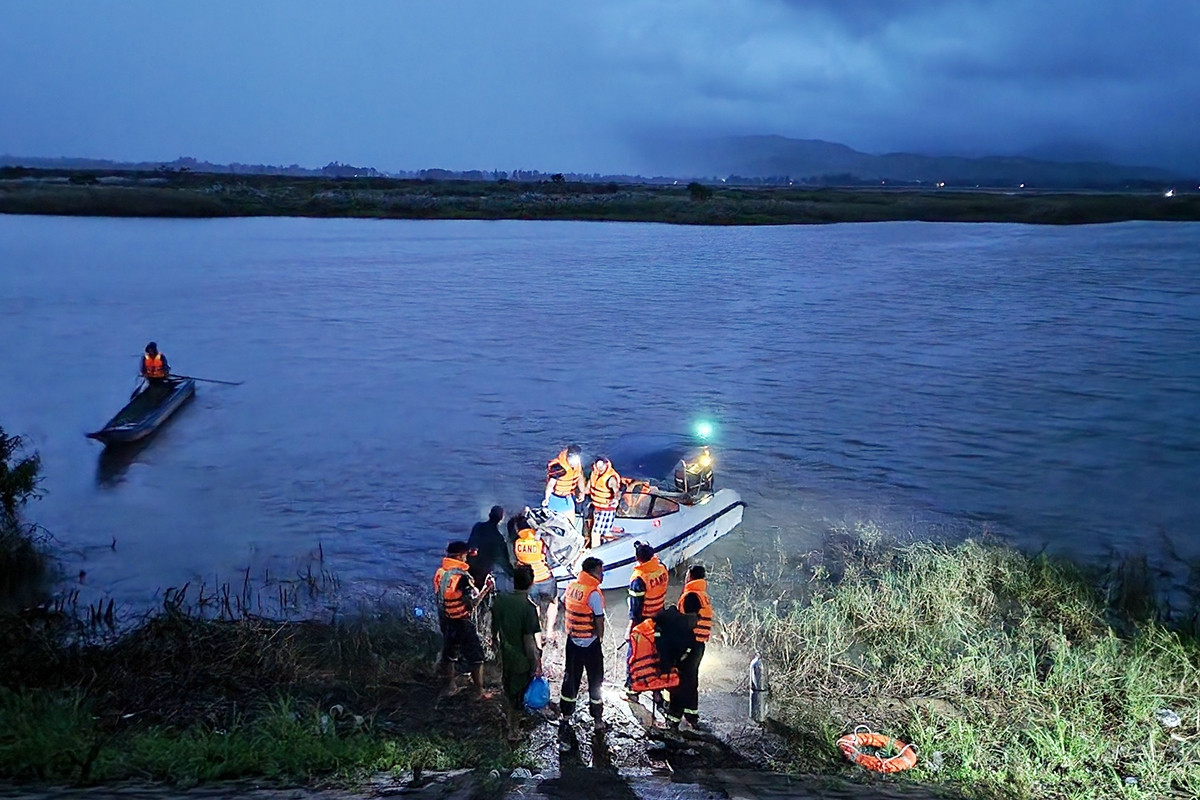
(678, 523)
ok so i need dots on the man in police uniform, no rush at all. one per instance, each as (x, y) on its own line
(585, 636)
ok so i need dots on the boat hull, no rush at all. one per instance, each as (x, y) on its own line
(144, 414)
(675, 538)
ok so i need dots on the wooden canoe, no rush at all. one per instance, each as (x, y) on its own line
(148, 409)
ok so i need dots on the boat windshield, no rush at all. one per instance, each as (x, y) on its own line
(645, 506)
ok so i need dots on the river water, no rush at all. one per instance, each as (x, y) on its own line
(933, 380)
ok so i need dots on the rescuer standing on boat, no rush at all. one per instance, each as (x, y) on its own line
(585, 635)
(456, 597)
(154, 366)
(695, 605)
(604, 488)
(564, 482)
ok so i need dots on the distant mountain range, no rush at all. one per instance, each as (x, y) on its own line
(777, 159)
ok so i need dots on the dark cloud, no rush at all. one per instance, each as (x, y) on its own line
(555, 85)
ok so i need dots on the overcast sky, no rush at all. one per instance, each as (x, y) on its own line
(576, 85)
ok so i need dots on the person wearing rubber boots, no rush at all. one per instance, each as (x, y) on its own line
(585, 637)
(684, 707)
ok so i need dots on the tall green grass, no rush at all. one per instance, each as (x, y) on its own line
(184, 699)
(55, 737)
(1002, 669)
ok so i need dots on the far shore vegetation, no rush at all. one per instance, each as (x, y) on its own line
(1014, 676)
(191, 194)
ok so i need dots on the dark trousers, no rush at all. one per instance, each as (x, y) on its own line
(460, 642)
(590, 658)
(685, 698)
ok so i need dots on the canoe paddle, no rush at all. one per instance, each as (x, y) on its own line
(206, 380)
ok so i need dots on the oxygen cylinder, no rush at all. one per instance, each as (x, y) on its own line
(758, 689)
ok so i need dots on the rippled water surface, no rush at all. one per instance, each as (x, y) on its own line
(400, 377)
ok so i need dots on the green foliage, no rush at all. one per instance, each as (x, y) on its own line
(43, 736)
(1003, 665)
(54, 737)
(184, 699)
(19, 477)
(21, 559)
(188, 194)
(699, 192)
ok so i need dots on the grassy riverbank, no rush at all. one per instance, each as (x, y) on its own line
(139, 194)
(1009, 674)
(22, 560)
(182, 700)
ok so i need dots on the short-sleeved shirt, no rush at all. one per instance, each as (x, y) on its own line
(596, 603)
(514, 616)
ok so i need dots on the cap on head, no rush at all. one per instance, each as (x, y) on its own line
(457, 548)
(603, 460)
(643, 551)
(496, 514)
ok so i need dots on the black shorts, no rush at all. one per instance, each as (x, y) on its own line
(460, 641)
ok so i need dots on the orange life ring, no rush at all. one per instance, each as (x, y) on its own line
(905, 758)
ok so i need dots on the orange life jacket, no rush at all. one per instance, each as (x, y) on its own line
(153, 366)
(453, 601)
(635, 486)
(530, 549)
(581, 620)
(704, 620)
(564, 485)
(603, 495)
(654, 575)
(645, 672)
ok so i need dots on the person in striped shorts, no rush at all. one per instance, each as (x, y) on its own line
(604, 488)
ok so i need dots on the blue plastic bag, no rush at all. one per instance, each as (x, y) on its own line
(537, 694)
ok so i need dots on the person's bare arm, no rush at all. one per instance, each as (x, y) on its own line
(533, 653)
(488, 586)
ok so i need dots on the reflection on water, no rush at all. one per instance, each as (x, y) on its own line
(116, 458)
(402, 377)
